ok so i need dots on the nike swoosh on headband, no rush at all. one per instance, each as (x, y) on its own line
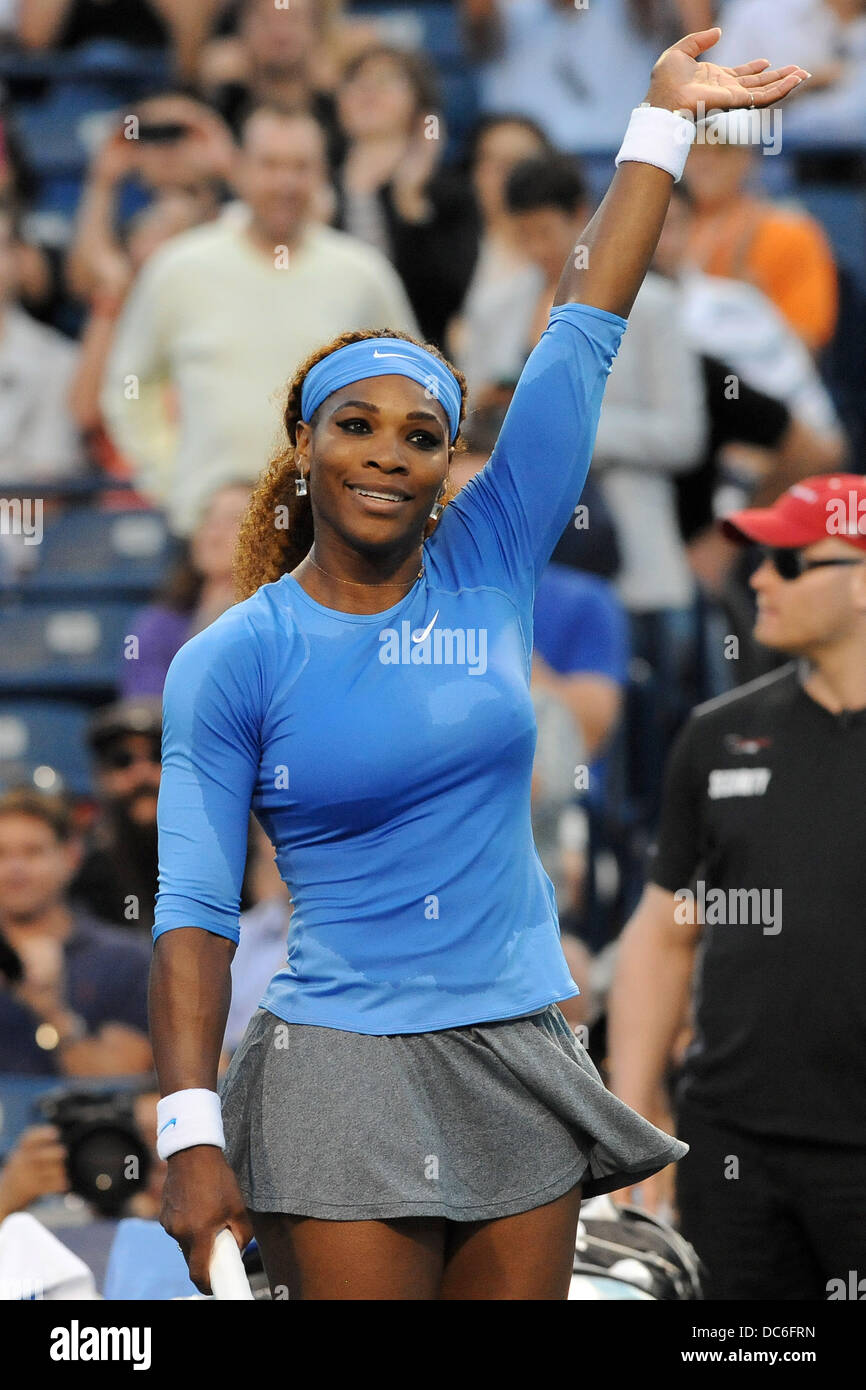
(358, 360)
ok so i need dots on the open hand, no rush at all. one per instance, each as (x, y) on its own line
(34, 1168)
(681, 83)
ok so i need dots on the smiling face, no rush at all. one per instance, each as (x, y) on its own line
(822, 608)
(35, 866)
(279, 170)
(382, 435)
(377, 99)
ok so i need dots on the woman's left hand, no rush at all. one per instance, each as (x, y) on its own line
(681, 83)
(415, 169)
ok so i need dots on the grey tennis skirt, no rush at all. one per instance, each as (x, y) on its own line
(465, 1123)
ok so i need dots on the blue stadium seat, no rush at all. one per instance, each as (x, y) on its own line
(89, 552)
(42, 741)
(67, 648)
(842, 213)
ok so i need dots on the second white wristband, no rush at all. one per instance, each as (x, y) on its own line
(660, 137)
(186, 1118)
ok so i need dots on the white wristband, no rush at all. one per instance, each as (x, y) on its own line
(660, 137)
(186, 1118)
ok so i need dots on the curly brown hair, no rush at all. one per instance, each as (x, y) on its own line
(276, 532)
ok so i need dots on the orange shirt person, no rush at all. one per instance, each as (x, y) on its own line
(745, 237)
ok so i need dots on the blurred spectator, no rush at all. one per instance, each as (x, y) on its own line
(146, 1203)
(588, 546)
(783, 251)
(178, 26)
(264, 929)
(580, 659)
(546, 199)
(755, 449)
(577, 70)
(665, 21)
(488, 337)
(579, 670)
(391, 189)
(176, 146)
(171, 214)
(226, 313)
(580, 1011)
(73, 991)
(339, 37)
(38, 439)
(581, 651)
(197, 592)
(118, 877)
(736, 322)
(34, 1168)
(829, 37)
(652, 423)
(40, 258)
(771, 418)
(272, 62)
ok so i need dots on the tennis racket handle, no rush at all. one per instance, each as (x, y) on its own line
(228, 1278)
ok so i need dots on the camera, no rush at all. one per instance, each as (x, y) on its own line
(162, 132)
(107, 1158)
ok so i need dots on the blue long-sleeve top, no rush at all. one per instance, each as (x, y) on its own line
(389, 755)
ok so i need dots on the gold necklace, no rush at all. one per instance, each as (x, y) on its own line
(359, 583)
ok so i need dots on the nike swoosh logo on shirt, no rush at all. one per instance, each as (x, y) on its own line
(420, 637)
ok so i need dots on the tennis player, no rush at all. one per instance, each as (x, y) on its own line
(408, 1115)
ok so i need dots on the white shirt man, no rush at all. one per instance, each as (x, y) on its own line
(221, 317)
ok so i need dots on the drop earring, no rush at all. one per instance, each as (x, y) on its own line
(301, 486)
(436, 511)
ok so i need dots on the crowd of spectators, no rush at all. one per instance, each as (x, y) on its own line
(279, 173)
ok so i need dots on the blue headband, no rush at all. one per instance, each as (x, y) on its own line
(382, 357)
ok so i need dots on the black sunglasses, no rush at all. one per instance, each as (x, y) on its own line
(118, 759)
(789, 563)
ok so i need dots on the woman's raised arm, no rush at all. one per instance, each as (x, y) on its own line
(616, 248)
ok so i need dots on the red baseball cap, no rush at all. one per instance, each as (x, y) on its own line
(816, 509)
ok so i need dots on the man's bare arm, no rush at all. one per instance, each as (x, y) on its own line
(649, 998)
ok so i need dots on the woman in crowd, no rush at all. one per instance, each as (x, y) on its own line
(199, 589)
(391, 189)
(488, 336)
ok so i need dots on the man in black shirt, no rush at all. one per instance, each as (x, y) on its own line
(760, 858)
